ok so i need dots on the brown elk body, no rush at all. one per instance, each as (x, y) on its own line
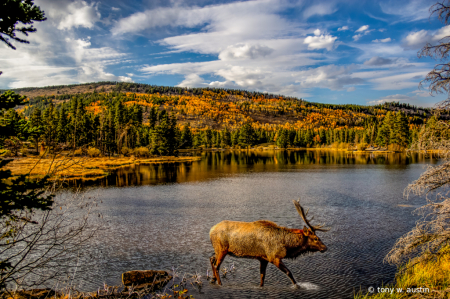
(263, 240)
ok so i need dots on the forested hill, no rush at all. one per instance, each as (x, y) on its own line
(112, 115)
(217, 108)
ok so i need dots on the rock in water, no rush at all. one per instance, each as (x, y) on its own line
(141, 279)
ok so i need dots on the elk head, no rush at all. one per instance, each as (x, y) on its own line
(313, 242)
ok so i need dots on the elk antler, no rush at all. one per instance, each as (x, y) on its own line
(303, 215)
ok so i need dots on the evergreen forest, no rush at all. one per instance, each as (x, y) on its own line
(115, 118)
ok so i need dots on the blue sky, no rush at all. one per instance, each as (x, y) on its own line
(361, 52)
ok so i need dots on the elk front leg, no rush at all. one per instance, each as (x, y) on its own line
(262, 270)
(216, 261)
(280, 265)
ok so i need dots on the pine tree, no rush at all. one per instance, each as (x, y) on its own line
(186, 136)
(246, 135)
(207, 138)
(235, 138)
(400, 130)
(226, 137)
(36, 130)
(18, 194)
(61, 129)
(385, 131)
(164, 136)
(282, 138)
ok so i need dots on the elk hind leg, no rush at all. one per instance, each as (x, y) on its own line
(213, 260)
(262, 270)
(216, 261)
(280, 265)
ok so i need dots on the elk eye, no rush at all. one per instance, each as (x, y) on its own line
(315, 239)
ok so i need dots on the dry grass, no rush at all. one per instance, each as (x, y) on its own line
(86, 168)
(433, 275)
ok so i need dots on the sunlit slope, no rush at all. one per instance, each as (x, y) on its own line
(219, 108)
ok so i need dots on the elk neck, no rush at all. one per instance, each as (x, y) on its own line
(296, 243)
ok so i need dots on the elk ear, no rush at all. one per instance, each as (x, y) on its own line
(305, 230)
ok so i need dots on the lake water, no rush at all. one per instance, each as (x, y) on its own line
(159, 217)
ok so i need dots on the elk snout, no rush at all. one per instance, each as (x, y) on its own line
(323, 249)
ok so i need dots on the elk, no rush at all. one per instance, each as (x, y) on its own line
(265, 241)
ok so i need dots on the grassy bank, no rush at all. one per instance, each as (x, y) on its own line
(82, 168)
(429, 279)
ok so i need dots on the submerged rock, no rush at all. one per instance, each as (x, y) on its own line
(145, 279)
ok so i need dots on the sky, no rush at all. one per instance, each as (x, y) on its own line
(338, 52)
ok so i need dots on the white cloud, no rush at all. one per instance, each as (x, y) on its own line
(231, 15)
(343, 28)
(69, 14)
(245, 51)
(363, 31)
(418, 39)
(192, 80)
(410, 11)
(392, 98)
(384, 40)
(422, 93)
(362, 28)
(350, 89)
(256, 48)
(320, 42)
(356, 37)
(421, 101)
(115, 8)
(56, 57)
(319, 9)
(330, 76)
(378, 61)
(398, 81)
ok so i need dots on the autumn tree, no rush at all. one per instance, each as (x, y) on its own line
(432, 232)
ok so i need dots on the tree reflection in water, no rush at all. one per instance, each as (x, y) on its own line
(227, 163)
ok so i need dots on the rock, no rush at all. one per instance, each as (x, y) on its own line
(145, 279)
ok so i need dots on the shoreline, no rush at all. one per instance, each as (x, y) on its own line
(64, 167)
(85, 168)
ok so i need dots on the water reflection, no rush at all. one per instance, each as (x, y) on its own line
(160, 226)
(226, 163)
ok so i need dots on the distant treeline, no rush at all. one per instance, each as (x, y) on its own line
(171, 90)
(115, 122)
(165, 119)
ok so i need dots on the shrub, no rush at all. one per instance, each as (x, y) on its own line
(343, 145)
(23, 152)
(78, 152)
(5, 153)
(361, 146)
(141, 152)
(125, 151)
(93, 152)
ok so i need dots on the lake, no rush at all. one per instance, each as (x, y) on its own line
(159, 217)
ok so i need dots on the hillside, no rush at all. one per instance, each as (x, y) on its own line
(219, 108)
(116, 118)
